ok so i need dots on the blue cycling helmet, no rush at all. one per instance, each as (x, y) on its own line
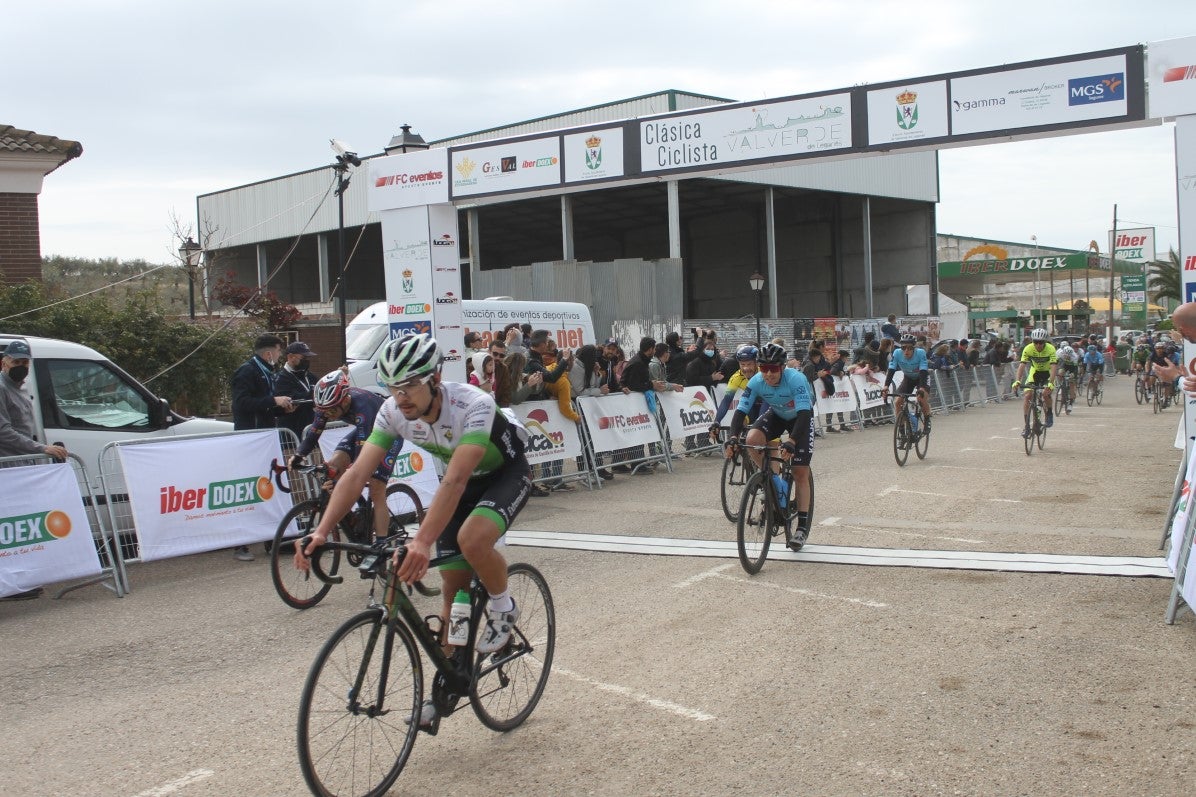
(747, 353)
(1091, 347)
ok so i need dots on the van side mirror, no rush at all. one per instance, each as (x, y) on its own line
(159, 414)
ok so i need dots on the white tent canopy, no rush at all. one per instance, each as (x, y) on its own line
(952, 315)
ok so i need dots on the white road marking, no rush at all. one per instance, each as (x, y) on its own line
(689, 582)
(798, 591)
(898, 533)
(638, 697)
(985, 450)
(194, 776)
(990, 470)
(893, 489)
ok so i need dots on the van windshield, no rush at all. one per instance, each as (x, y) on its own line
(90, 395)
(362, 342)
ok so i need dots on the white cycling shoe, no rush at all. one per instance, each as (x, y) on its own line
(497, 632)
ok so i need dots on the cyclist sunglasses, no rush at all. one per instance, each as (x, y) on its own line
(404, 389)
(770, 368)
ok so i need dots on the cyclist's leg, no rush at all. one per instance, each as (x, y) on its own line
(924, 400)
(898, 404)
(377, 491)
(803, 441)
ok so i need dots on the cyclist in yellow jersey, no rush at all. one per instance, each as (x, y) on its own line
(1040, 357)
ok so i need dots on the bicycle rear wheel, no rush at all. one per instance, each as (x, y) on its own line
(405, 515)
(922, 444)
(352, 740)
(1060, 404)
(901, 437)
(735, 477)
(298, 589)
(754, 529)
(508, 683)
(1100, 393)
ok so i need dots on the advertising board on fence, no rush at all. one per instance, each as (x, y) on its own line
(841, 400)
(413, 466)
(688, 412)
(44, 533)
(867, 389)
(189, 496)
(551, 436)
(618, 421)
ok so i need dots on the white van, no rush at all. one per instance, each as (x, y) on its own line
(85, 402)
(570, 322)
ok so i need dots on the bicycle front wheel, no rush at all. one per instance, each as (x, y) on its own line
(1158, 400)
(735, 476)
(901, 436)
(754, 529)
(1139, 391)
(298, 589)
(359, 713)
(1100, 393)
(922, 444)
(508, 683)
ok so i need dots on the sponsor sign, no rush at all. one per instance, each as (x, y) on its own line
(551, 436)
(688, 412)
(867, 388)
(1185, 169)
(189, 496)
(1133, 246)
(506, 167)
(408, 180)
(413, 466)
(841, 400)
(1133, 293)
(618, 421)
(44, 533)
(900, 114)
(1171, 77)
(746, 132)
(1075, 91)
(595, 155)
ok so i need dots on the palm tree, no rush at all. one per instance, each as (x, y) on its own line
(1165, 278)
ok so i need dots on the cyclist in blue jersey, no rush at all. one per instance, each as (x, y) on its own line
(335, 400)
(1094, 363)
(789, 400)
(915, 370)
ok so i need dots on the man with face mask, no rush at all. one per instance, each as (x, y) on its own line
(295, 381)
(255, 405)
(17, 429)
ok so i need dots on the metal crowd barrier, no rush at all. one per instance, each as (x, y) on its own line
(100, 533)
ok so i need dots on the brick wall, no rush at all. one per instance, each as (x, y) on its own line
(324, 337)
(20, 240)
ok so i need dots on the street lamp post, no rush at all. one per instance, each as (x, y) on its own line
(757, 283)
(1037, 275)
(191, 253)
(344, 159)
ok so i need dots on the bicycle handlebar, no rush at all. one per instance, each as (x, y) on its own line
(381, 550)
(323, 471)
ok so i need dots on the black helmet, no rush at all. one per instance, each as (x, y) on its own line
(771, 353)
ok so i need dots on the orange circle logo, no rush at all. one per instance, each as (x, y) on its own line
(265, 489)
(417, 462)
(58, 523)
(427, 308)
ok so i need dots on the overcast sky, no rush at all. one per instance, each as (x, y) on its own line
(174, 99)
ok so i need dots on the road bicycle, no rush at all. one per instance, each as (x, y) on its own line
(1063, 397)
(910, 431)
(760, 514)
(1140, 391)
(1037, 422)
(737, 470)
(361, 705)
(296, 587)
(1096, 391)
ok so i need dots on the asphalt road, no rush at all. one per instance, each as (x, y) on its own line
(683, 675)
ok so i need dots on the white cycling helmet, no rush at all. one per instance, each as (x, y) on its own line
(331, 390)
(1038, 334)
(408, 357)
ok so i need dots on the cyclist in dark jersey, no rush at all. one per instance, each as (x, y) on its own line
(485, 478)
(335, 400)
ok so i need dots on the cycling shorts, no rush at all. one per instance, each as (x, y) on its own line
(801, 431)
(1040, 378)
(1094, 368)
(498, 496)
(907, 387)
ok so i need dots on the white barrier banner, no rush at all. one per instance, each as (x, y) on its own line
(551, 436)
(842, 400)
(868, 387)
(1179, 521)
(413, 466)
(189, 496)
(688, 412)
(618, 421)
(44, 533)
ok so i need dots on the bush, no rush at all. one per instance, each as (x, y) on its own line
(140, 338)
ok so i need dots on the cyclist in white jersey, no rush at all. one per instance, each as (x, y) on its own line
(485, 479)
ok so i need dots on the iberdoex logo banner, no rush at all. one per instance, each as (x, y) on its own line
(218, 498)
(33, 530)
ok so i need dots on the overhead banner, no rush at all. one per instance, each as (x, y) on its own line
(1171, 77)
(1054, 94)
(618, 421)
(189, 496)
(509, 166)
(746, 132)
(44, 534)
(1078, 261)
(905, 113)
(594, 155)
(687, 412)
(551, 436)
(407, 180)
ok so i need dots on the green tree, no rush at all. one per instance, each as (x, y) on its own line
(138, 335)
(1166, 280)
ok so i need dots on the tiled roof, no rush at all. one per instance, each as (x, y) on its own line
(26, 141)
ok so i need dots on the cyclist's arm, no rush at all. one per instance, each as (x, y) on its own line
(464, 461)
(737, 422)
(348, 488)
